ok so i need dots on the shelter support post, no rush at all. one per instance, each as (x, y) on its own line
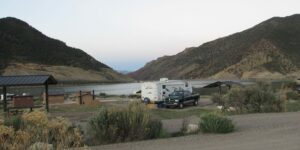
(80, 97)
(46, 97)
(4, 99)
(220, 91)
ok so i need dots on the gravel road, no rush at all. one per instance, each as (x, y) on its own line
(272, 131)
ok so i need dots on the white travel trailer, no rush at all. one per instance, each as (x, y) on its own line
(153, 92)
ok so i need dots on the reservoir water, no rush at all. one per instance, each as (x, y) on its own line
(111, 89)
(126, 88)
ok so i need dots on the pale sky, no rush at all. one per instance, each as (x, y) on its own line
(125, 34)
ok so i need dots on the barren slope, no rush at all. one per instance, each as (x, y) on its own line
(25, 50)
(66, 73)
(271, 47)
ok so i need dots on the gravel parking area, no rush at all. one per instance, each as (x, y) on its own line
(270, 131)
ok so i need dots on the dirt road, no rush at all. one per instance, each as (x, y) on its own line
(272, 131)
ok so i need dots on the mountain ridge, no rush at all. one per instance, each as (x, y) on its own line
(23, 45)
(211, 58)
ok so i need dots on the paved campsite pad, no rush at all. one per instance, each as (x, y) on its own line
(270, 131)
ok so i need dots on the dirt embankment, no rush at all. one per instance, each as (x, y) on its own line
(66, 73)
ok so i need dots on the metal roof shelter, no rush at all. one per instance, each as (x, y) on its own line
(26, 80)
(220, 83)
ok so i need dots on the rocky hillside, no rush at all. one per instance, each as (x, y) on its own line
(270, 49)
(25, 50)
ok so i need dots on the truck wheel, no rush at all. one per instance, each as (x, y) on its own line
(180, 105)
(195, 102)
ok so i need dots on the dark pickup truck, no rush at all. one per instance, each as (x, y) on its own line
(181, 98)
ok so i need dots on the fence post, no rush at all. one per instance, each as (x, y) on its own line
(80, 97)
(93, 94)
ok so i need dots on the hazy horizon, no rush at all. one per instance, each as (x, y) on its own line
(127, 34)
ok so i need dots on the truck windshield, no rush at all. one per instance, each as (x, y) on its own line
(176, 94)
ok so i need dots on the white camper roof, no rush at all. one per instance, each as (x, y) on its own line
(166, 80)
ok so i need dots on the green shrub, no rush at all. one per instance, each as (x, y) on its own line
(120, 125)
(187, 128)
(236, 98)
(134, 96)
(102, 95)
(292, 95)
(257, 98)
(214, 123)
(13, 121)
(184, 126)
(217, 98)
(155, 129)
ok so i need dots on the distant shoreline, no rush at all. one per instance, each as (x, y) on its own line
(81, 82)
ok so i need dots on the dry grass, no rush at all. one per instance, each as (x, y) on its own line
(37, 131)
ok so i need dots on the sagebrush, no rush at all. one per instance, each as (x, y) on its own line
(215, 123)
(35, 129)
(124, 124)
(253, 99)
(293, 95)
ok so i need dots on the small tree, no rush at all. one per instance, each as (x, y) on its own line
(258, 98)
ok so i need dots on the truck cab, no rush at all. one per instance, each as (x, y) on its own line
(181, 98)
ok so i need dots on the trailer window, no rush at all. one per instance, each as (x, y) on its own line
(163, 86)
(176, 93)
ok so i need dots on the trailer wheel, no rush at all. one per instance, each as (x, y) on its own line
(147, 101)
(195, 102)
(180, 105)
